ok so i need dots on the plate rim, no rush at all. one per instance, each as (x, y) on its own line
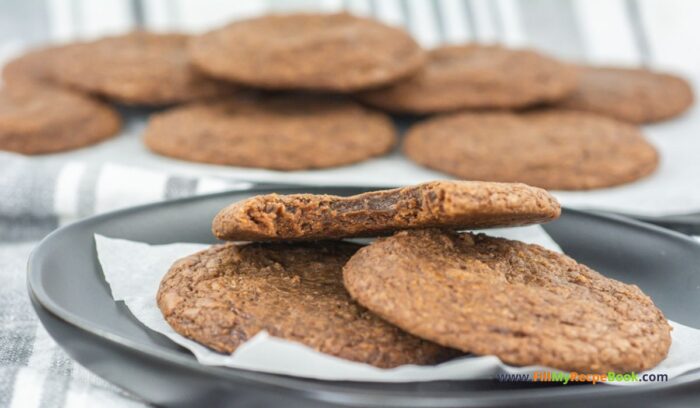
(320, 387)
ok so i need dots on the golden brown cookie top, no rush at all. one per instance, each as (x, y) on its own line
(477, 77)
(337, 52)
(281, 132)
(634, 95)
(552, 149)
(139, 68)
(520, 302)
(223, 296)
(445, 204)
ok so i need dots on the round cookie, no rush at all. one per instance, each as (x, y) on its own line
(444, 204)
(552, 149)
(477, 77)
(520, 302)
(632, 95)
(139, 68)
(34, 66)
(37, 119)
(284, 132)
(223, 296)
(332, 52)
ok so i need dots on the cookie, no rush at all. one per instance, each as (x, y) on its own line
(517, 301)
(552, 149)
(477, 77)
(284, 132)
(632, 95)
(139, 68)
(36, 119)
(34, 66)
(331, 52)
(445, 204)
(225, 295)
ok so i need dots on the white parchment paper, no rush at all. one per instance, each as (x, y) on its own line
(134, 270)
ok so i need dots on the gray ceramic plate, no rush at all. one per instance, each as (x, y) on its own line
(73, 302)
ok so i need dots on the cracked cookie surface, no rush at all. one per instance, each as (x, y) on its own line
(554, 148)
(632, 95)
(37, 118)
(523, 303)
(281, 132)
(138, 68)
(223, 296)
(330, 52)
(477, 77)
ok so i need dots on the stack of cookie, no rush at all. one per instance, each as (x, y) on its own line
(424, 293)
(307, 91)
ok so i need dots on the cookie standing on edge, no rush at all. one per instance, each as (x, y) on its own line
(285, 132)
(477, 77)
(37, 119)
(225, 295)
(632, 95)
(552, 149)
(331, 52)
(444, 204)
(139, 68)
(520, 302)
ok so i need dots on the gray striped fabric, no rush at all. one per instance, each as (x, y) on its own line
(35, 199)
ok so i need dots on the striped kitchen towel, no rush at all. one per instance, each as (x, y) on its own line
(34, 371)
(37, 198)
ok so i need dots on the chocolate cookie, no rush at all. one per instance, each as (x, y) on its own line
(335, 52)
(136, 69)
(34, 66)
(445, 204)
(37, 119)
(223, 296)
(633, 95)
(552, 149)
(520, 302)
(477, 77)
(286, 132)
